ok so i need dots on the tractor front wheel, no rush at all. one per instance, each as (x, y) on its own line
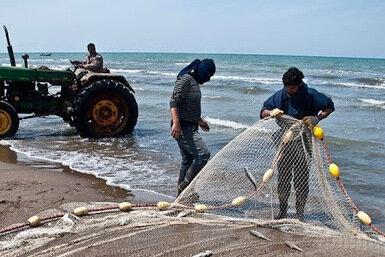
(9, 120)
(105, 108)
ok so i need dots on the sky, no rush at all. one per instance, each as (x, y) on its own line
(349, 28)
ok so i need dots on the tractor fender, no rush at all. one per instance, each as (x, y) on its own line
(91, 77)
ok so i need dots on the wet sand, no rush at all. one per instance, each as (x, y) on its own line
(28, 187)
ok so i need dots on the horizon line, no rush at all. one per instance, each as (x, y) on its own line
(217, 53)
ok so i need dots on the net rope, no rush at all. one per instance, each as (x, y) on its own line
(236, 182)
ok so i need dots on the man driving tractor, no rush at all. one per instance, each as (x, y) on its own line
(93, 62)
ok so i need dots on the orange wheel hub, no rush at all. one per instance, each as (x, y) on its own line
(5, 122)
(105, 113)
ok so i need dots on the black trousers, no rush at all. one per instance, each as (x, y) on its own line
(293, 164)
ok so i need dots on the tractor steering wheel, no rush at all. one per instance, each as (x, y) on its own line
(74, 63)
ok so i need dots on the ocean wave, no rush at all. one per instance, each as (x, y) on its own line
(169, 74)
(125, 71)
(324, 76)
(254, 90)
(263, 80)
(9, 65)
(43, 60)
(182, 63)
(212, 96)
(360, 85)
(372, 102)
(226, 123)
(55, 67)
(371, 81)
(353, 144)
(348, 84)
(122, 172)
(138, 88)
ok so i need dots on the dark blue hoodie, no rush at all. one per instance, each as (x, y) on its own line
(305, 102)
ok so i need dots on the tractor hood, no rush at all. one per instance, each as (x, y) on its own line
(33, 74)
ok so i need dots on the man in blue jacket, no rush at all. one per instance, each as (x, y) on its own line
(296, 99)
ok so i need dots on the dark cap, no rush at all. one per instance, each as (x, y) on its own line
(293, 76)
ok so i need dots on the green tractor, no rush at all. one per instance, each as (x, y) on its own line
(96, 104)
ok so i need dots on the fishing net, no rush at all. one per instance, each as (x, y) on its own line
(269, 192)
(276, 169)
(150, 232)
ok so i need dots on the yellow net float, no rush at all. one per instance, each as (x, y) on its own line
(34, 221)
(334, 170)
(318, 132)
(267, 176)
(239, 201)
(200, 208)
(163, 205)
(364, 218)
(81, 211)
(288, 136)
(125, 206)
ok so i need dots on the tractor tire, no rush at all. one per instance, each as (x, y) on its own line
(105, 108)
(9, 120)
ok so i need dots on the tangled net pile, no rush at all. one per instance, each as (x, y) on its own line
(274, 162)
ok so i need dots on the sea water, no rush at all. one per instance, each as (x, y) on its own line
(231, 102)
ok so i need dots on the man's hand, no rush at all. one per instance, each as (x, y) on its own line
(176, 130)
(276, 113)
(310, 121)
(203, 125)
(75, 62)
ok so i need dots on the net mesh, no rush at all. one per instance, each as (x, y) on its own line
(235, 183)
(272, 180)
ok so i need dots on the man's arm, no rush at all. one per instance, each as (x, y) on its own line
(323, 104)
(324, 113)
(181, 89)
(271, 107)
(203, 124)
(176, 130)
(95, 64)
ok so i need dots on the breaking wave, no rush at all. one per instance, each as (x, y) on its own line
(373, 102)
(267, 81)
(254, 90)
(125, 71)
(226, 123)
(371, 81)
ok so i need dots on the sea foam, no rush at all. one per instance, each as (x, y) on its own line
(226, 123)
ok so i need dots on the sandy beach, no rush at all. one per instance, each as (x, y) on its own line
(28, 188)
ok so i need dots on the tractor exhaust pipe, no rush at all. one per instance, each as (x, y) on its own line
(25, 58)
(9, 47)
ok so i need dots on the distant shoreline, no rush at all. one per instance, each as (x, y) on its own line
(198, 53)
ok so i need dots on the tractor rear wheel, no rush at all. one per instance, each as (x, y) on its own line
(9, 120)
(105, 108)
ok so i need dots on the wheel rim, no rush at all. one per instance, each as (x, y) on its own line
(108, 114)
(5, 122)
(105, 113)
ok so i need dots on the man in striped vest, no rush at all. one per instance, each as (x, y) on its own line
(185, 107)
